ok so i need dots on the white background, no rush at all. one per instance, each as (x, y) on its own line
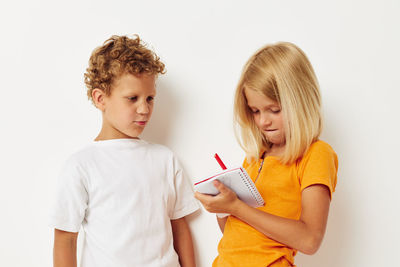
(45, 116)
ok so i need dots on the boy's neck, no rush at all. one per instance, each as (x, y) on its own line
(100, 138)
(109, 133)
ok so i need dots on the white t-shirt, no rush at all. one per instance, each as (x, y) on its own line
(123, 192)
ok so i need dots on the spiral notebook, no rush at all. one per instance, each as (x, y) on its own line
(237, 180)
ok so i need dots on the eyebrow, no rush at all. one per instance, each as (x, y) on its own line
(137, 92)
(267, 106)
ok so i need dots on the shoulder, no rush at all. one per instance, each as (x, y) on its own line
(164, 158)
(81, 155)
(320, 147)
(318, 154)
(77, 160)
(247, 162)
(319, 165)
(162, 155)
(250, 160)
(158, 149)
(75, 170)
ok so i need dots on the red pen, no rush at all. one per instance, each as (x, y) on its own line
(220, 161)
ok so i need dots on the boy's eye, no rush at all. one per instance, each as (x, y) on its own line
(150, 98)
(133, 98)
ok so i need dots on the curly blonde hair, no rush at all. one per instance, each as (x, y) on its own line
(119, 55)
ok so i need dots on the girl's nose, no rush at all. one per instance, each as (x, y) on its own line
(265, 120)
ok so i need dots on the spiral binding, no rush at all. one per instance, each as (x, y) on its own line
(252, 188)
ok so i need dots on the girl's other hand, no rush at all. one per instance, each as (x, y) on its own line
(225, 202)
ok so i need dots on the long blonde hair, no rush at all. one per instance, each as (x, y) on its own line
(283, 73)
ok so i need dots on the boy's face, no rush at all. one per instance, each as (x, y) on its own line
(128, 108)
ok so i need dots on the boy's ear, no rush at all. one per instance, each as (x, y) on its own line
(98, 97)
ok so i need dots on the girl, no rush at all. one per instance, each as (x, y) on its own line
(278, 111)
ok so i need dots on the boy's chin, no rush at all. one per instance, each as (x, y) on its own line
(135, 134)
(131, 133)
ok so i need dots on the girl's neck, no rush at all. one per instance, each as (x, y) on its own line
(275, 150)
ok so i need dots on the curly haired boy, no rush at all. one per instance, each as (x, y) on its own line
(129, 195)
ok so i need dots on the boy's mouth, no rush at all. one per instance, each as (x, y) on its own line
(141, 123)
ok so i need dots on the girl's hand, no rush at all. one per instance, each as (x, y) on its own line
(225, 202)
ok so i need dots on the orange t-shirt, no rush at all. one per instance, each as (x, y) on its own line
(280, 186)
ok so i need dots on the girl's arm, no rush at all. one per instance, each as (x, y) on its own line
(183, 242)
(305, 234)
(221, 223)
(64, 252)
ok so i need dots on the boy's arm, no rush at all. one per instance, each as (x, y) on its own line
(183, 242)
(64, 252)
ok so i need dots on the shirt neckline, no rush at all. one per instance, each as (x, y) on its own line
(119, 141)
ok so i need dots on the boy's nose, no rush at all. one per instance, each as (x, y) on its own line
(143, 108)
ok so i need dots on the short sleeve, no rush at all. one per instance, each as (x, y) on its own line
(71, 198)
(319, 166)
(184, 203)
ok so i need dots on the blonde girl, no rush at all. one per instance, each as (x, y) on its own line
(278, 113)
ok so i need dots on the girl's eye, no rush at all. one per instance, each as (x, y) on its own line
(276, 111)
(254, 111)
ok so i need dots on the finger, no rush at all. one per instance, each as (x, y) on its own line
(198, 195)
(221, 187)
(201, 197)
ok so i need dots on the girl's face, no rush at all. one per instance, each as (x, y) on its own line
(267, 116)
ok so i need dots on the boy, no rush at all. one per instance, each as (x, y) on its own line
(129, 195)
